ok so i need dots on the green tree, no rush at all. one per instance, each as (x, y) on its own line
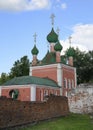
(20, 67)
(83, 61)
(4, 77)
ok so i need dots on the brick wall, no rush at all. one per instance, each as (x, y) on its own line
(14, 112)
(81, 99)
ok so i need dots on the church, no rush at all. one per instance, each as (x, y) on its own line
(52, 75)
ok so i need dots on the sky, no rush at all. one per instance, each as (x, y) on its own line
(21, 19)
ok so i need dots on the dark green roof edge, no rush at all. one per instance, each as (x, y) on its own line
(27, 80)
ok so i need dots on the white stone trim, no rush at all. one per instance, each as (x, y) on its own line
(30, 71)
(75, 77)
(16, 86)
(59, 76)
(33, 93)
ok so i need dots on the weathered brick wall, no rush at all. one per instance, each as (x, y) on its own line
(81, 100)
(13, 113)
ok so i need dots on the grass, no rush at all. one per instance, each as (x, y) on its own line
(71, 122)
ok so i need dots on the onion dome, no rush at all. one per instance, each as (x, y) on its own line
(70, 52)
(34, 51)
(52, 37)
(58, 46)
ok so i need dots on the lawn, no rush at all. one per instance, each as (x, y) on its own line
(71, 122)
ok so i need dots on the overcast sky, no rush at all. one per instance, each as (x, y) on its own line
(20, 19)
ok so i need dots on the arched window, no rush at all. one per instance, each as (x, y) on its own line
(72, 84)
(69, 83)
(65, 83)
(14, 93)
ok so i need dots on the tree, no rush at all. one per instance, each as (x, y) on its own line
(83, 61)
(20, 67)
(4, 77)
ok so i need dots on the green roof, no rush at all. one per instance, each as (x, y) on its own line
(26, 80)
(52, 37)
(49, 58)
(70, 52)
(34, 50)
(58, 46)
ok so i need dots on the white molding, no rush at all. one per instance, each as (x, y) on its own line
(33, 93)
(75, 77)
(30, 71)
(59, 76)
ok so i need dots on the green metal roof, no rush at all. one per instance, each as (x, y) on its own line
(26, 80)
(49, 58)
(34, 50)
(58, 46)
(70, 52)
(52, 37)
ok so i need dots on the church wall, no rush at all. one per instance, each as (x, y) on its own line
(50, 72)
(41, 92)
(68, 75)
(24, 93)
(17, 113)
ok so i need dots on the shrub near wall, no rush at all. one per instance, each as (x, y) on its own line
(14, 112)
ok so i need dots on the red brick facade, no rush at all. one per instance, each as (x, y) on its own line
(68, 74)
(25, 92)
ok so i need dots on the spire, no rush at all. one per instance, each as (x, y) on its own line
(70, 40)
(34, 51)
(52, 19)
(35, 36)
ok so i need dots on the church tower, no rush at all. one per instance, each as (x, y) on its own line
(52, 37)
(34, 52)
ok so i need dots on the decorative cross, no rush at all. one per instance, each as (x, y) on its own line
(52, 19)
(70, 40)
(35, 35)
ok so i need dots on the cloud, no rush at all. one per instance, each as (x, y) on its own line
(82, 37)
(63, 6)
(22, 5)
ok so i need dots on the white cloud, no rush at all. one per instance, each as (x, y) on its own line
(19, 5)
(82, 37)
(63, 6)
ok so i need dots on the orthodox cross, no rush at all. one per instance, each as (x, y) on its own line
(35, 35)
(70, 40)
(52, 19)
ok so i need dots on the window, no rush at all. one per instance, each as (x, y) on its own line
(55, 92)
(72, 84)
(69, 84)
(65, 83)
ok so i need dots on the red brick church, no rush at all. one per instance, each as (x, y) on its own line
(51, 75)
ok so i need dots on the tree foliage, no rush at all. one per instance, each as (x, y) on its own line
(83, 61)
(4, 77)
(20, 67)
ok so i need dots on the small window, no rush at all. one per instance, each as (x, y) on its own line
(69, 84)
(72, 84)
(65, 83)
(14, 93)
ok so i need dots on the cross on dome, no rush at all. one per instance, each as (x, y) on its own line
(52, 19)
(70, 40)
(35, 36)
